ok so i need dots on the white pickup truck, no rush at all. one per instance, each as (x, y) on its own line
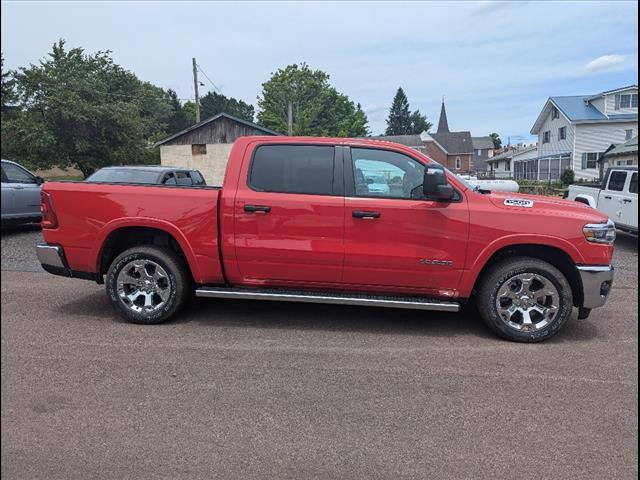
(616, 197)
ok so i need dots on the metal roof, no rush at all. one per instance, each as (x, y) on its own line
(454, 142)
(213, 119)
(626, 148)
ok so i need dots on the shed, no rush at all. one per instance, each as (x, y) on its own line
(205, 146)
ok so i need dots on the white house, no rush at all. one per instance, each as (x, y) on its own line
(504, 164)
(576, 130)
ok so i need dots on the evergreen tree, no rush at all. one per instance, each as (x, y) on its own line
(399, 121)
(214, 103)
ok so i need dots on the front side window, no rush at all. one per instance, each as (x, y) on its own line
(616, 181)
(562, 133)
(381, 173)
(15, 174)
(546, 137)
(305, 169)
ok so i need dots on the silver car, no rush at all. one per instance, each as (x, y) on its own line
(20, 194)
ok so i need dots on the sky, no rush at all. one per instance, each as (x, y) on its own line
(495, 63)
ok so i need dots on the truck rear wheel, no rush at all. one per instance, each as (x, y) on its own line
(525, 299)
(147, 284)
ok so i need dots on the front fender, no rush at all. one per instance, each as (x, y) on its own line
(471, 275)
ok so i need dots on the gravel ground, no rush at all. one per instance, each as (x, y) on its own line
(267, 390)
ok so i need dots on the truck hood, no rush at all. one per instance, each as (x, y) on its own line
(541, 205)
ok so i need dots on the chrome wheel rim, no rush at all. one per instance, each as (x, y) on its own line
(143, 286)
(528, 302)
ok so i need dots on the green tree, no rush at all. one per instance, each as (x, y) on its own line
(214, 103)
(84, 111)
(318, 108)
(7, 94)
(179, 117)
(401, 121)
(568, 177)
(497, 142)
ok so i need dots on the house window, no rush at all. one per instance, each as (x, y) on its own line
(628, 134)
(554, 113)
(199, 149)
(507, 165)
(562, 133)
(626, 101)
(546, 136)
(458, 163)
(590, 159)
(479, 152)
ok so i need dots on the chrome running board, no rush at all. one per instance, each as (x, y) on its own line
(415, 303)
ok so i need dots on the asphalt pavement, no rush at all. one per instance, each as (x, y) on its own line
(272, 390)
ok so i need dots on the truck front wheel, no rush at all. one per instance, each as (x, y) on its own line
(525, 299)
(147, 284)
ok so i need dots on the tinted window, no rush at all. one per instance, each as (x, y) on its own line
(380, 173)
(183, 178)
(197, 178)
(633, 186)
(293, 169)
(15, 174)
(169, 179)
(122, 175)
(616, 181)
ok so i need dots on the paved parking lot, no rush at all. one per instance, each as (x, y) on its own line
(268, 390)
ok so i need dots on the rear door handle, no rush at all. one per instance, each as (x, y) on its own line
(627, 200)
(607, 197)
(363, 214)
(257, 208)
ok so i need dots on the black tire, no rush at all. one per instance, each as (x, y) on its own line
(178, 284)
(495, 279)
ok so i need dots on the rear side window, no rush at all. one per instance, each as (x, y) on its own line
(633, 186)
(616, 182)
(197, 178)
(306, 169)
(183, 178)
(124, 175)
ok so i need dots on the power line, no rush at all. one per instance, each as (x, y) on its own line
(210, 81)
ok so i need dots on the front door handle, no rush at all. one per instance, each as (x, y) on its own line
(627, 200)
(607, 197)
(363, 214)
(257, 208)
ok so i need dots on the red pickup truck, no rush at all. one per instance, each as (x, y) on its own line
(333, 220)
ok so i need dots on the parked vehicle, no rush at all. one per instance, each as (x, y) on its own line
(616, 197)
(289, 224)
(147, 174)
(20, 194)
(378, 184)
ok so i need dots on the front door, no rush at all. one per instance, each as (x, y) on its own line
(630, 202)
(394, 238)
(23, 191)
(289, 216)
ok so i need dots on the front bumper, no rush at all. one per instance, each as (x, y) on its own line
(52, 259)
(596, 284)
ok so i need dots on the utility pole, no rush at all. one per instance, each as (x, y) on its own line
(195, 87)
(290, 119)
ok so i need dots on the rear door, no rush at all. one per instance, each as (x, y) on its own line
(611, 199)
(289, 216)
(630, 202)
(394, 238)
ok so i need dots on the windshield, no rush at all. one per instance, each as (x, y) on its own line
(122, 175)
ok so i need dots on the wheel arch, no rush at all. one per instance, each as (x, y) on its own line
(119, 236)
(557, 257)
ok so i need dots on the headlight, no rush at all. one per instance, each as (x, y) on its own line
(600, 232)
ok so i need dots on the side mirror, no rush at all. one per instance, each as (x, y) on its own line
(435, 185)
(39, 180)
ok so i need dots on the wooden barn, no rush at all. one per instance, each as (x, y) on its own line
(205, 146)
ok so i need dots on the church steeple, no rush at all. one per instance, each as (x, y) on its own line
(443, 125)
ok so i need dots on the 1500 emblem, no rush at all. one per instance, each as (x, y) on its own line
(444, 263)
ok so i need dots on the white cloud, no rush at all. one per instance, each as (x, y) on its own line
(486, 7)
(605, 62)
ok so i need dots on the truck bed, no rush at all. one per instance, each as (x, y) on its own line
(88, 213)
